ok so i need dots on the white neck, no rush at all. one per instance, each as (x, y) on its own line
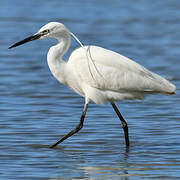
(54, 57)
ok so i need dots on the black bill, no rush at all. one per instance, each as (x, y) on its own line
(31, 38)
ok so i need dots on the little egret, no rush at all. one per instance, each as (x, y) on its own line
(97, 74)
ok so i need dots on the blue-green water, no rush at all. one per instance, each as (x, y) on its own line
(36, 110)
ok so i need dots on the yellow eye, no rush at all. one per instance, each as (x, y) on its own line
(46, 31)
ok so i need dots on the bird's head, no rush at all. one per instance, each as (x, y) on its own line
(50, 30)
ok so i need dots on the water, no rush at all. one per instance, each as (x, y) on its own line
(36, 110)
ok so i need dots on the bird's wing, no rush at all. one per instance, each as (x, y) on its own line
(107, 70)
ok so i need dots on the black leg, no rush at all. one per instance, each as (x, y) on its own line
(123, 122)
(78, 127)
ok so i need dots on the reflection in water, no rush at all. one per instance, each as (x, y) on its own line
(106, 171)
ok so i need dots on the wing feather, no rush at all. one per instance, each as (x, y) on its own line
(109, 71)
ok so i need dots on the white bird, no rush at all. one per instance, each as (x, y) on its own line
(98, 74)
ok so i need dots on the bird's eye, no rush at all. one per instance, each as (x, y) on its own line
(46, 31)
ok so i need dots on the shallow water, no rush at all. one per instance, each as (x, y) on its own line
(36, 110)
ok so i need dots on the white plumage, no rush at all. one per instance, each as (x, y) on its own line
(98, 74)
(104, 75)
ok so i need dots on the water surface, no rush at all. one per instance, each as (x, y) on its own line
(36, 110)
